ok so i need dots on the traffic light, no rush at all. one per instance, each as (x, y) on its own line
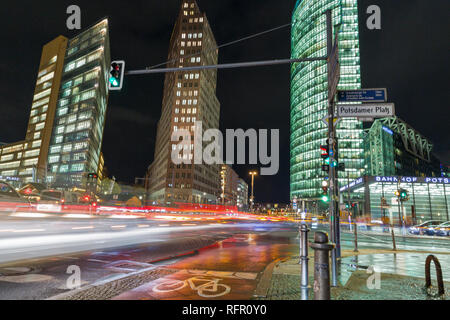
(325, 185)
(403, 195)
(116, 75)
(92, 176)
(325, 151)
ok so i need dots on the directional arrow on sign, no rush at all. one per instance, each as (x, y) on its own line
(326, 120)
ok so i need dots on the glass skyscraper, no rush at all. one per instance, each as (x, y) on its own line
(309, 94)
(80, 112)
(65, 128)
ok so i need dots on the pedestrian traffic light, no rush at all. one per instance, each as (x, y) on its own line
(116, 75)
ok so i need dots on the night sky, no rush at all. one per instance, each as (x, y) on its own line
(409, 56)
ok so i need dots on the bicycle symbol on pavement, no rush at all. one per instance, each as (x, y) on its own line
(208, 288)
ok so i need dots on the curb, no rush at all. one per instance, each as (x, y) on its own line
(264, 283)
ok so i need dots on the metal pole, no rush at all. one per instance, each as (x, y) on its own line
(355, 232)
(304, 261)
(400, 220)
(252, 197)
(446, 203)
(331, 142)
(224, 66)
(393, 237)
(321, 248)
(429, 200)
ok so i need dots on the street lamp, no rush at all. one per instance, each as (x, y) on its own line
(252, 198)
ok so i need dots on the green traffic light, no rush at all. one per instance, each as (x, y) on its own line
(325, 198)
(327, 161)
(114, 82)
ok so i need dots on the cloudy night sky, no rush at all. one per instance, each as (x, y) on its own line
(409, 57)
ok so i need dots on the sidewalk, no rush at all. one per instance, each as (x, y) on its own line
(401, 274)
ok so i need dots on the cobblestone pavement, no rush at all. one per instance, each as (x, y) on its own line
(114, 288)
(396, 284)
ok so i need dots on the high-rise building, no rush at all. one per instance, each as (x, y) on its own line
(309, 94)
(229, 180)
(394, 148)
(188, 97)
(26, 161)
(80, 114)
(65, 128)
(242, 195)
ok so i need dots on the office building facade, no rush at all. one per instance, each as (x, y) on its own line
(80, 114)
(65, 127)
(188, 97)
(309, 94)
(229, 180)
(375, 196)
(394, 148)
(242, 195)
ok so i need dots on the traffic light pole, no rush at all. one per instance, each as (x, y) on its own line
(334, 213)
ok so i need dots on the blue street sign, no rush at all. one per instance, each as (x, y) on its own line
(363, 95)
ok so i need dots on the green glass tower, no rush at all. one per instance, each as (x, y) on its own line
(309, 93)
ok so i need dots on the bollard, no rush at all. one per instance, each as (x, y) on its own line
(440, 280)
(304, 261)
(321, 249)
(393, 238)
(356, 237)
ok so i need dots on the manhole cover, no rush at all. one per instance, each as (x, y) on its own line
(15, 271)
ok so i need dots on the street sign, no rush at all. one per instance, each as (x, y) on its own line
(326, 120)
(363, 95)
(371, 110)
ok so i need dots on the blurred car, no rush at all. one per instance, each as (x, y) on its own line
(90, 199)
(10, 199)
(121, 200)
(53, 200)
(443, 230)
(421, 228)
(32, 191)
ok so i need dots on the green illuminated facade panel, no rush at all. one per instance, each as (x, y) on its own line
(309, 90)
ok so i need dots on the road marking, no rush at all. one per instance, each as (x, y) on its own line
(29, 215)
(123, 217)
(96, 260)
(205, 287)
(223, 274)
(143, 226)
(164, 225)
(119, 226)
(82, 228)
(77, 215)
(189, 224)
(29, 230)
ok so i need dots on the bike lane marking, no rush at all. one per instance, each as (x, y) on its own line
(196, 285)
